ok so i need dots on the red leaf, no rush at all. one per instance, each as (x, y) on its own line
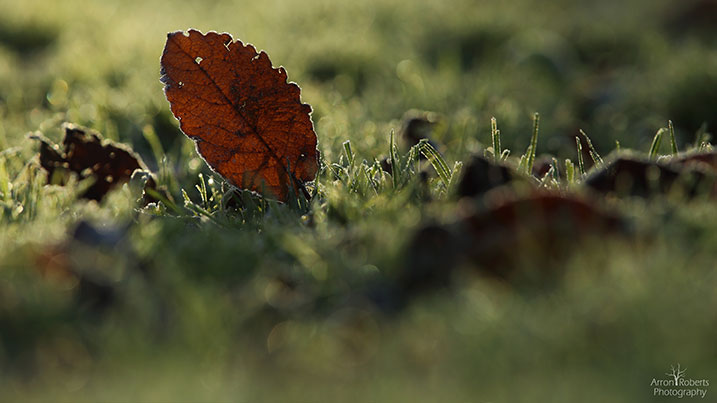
(248, 123)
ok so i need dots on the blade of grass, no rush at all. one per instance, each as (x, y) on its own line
(151, 136)
(455, 174)
(548, 177)
(165, 175)
(349, 153)
(533, 143)
(364, 180)
(495, 136)
(581, 163)
(411, 165)
(202, 188)
(197, 209)
(569, 171)
(523, 161)
(593, 152)
(438, 163)
(168, 203)
(656, 141)
(673, 142)
(33, 192)
(4, 181)
(395, 171)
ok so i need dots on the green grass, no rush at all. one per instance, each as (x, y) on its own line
(220, 295)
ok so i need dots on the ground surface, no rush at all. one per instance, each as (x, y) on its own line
(201, 298)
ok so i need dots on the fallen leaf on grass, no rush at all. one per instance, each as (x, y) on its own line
(481, 175)
(89, 156)
(248, 123)
(541, 228)
(629, 176)
(707, 160)
(691, 17)
(417, 125)
(517, 239)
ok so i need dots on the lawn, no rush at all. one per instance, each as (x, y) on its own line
(401, 277)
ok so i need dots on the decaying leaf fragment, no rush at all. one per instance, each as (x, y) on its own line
(247, 121)
(705, 159)
(631, 176)
(86, 154)
(515, 239)
(481, 175)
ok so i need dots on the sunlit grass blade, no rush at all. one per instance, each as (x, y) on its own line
(410, 167)
(455, 175)
(581, 163)
(673, 142)
(190, 205)
(349, 153)
(166, 175)
(495, 137)
(522, 162)
(168, 203)
(202, 188)
(32, 190)
(154, 143)
(569, 171)
(656, 141)
(393, 153)
(597, 159)
(437, 161)
(4, 181)
(533, 143)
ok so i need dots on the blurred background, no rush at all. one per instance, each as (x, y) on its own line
(618, 70)
(197, 329)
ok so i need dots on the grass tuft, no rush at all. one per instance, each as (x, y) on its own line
(437, 162)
